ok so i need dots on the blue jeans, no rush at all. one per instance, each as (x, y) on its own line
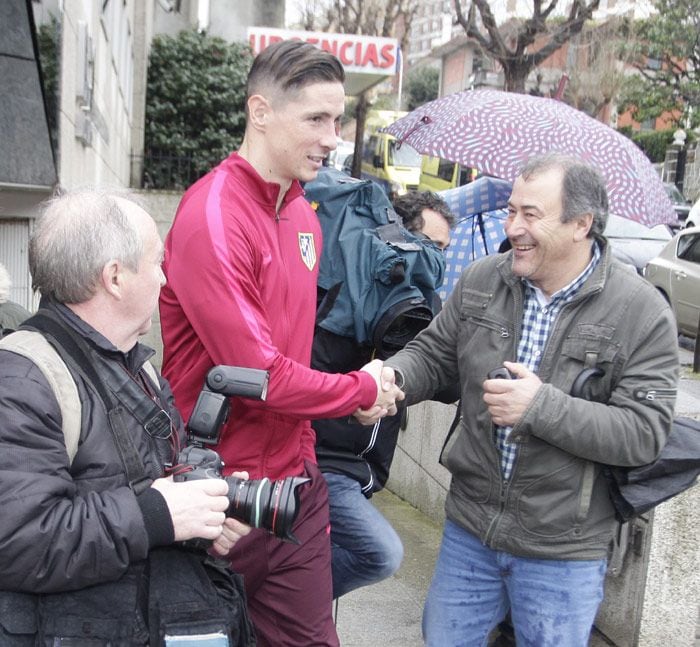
(364, 547)
(553, 603)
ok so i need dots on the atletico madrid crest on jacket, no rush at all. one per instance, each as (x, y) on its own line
(308, 250)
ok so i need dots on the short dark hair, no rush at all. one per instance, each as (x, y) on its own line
(290, 65)
(410, 208)
(583, 187)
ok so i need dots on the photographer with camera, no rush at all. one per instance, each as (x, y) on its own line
(92, 524)
(355, 460)
(241, 261)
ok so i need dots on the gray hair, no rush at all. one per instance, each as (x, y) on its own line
(77, 234)
(5, 284)
(583, 187)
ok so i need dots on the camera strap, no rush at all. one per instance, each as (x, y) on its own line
(115, 388)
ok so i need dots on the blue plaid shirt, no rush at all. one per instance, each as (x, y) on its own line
(538, 320)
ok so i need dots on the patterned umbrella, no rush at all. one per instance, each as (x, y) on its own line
(478, 207)
(497, 131)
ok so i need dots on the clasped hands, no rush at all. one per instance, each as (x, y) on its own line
(388, 394)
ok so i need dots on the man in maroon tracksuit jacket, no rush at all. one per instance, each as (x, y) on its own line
(241, 263)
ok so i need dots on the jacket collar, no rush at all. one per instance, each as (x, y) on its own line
(594, 283)
(132, 359)
(265, 193)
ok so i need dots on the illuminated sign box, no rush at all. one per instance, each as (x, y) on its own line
(367, 60)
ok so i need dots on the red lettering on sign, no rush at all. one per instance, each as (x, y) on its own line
(342, 54)
(388, 58)
(330, 46)
(371, 55)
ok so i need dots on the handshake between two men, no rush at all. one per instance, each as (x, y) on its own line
(506, 399)
(388, 394)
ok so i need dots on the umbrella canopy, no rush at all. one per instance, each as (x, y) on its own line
(496, 132)
(478, 207)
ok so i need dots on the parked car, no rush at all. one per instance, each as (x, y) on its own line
(693, 219)
(680, 205)
(634, 243)
(676, 274)
(337, 157)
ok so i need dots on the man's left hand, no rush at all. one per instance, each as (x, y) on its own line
(507, 400)
(232, 531)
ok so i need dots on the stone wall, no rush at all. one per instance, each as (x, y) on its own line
(691, 180)
(691, 173)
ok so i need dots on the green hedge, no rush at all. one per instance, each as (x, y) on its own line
(195, 106)
(653, 142)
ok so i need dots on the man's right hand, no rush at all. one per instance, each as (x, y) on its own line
(197, 508)
(387, 393)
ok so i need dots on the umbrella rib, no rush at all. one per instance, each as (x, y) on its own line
(423, 121)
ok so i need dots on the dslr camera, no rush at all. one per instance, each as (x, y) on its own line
(261, 503)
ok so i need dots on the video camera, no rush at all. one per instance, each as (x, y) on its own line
(260, 503)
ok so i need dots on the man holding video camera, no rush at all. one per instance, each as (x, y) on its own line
(90, 516)
(355, 460)
(241, 261)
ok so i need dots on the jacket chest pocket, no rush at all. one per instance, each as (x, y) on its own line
(483, 328)
(590, 346)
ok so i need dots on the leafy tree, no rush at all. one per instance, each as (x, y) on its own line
(422, 85)
(512, 48)
(195, 106)
(667, 59)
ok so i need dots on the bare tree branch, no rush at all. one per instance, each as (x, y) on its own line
(514, 52)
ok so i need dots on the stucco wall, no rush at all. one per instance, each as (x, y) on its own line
(162, 205)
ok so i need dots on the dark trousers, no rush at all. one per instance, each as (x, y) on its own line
(289, 587)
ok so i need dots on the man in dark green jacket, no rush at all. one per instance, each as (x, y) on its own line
(529, 519)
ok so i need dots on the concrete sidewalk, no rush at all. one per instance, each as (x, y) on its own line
(388, 614)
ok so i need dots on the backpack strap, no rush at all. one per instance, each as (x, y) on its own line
(76, 351)
(151, 372)
(33, 346)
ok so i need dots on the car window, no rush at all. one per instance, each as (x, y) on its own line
(689, 248)
(403, 155)
(445, 170)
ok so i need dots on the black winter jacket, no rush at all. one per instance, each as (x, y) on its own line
(68, 527)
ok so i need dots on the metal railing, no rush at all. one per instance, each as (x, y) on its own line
(159, 171)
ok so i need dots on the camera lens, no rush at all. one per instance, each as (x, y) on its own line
(262, 503)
